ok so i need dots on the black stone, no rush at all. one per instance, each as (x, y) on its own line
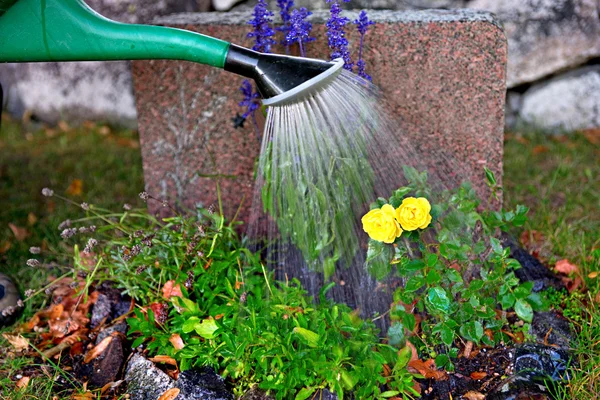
(551, 328)
(202, 384)
(108, 364)
(9, 297)
(532, 270)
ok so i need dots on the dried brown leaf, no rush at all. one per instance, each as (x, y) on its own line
(593, 275)
(16, 341)
(169, 394)
(19, 232)
(170, 289)
(176, 341)
(478, 375)
(31, 219)
(539, 149)
(427, 369)
(565, 267)
(164, 360)
(473, 395)
(97, 350)
(23, 382)
(75, 188)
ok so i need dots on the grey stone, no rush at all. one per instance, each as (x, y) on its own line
(567, 102)
(546, 36)
(398, 5)
(552, 328)
(202, 384)
(100, 91)
(9, 297)
(144, 380)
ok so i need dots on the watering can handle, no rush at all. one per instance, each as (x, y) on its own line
(69, 30)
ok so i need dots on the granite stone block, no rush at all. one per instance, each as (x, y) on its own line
(443, 72)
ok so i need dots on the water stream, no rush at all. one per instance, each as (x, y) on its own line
(323, 161)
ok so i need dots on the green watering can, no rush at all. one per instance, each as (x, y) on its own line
(69, 30)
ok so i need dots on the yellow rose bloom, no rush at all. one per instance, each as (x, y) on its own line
(381, 225)
(414, 213)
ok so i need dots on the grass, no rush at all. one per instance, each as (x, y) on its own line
(558, 178)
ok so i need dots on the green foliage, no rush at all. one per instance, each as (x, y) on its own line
(457, 273)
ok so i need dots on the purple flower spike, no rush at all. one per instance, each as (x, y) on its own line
(337, 35)
(285, 7)
(300, 29)
(362, 24)
(250, 101)
(262, 33)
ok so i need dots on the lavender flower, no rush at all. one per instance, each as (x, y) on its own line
(299, 29)
(85, 206)
(262, 33)
(284, 11)
(47, 192)
(362, 24)
(65, 224)
(35, 250)
(69, 232)
(337, 35)
(90, 245)
(29, 293)
(32, 262)
(126, 207)
(144, 196)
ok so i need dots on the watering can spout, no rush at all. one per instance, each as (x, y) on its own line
(69, 30)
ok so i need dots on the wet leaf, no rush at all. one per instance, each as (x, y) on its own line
(565, 267)
(97, 350)
(207, 328)
(19, 232)
(524, 310)
(169, 394)
(75, 188)
(427, 369)
(478, 375)
(16, 341)
(439, 299)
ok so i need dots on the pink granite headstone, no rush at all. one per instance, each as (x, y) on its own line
(444, 72)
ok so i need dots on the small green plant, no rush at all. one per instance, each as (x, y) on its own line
(457, 274)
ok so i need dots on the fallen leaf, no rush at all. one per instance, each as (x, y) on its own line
(176, 341)
(518, 337)
(539, 149)
(169, 394)
(4, 247)
(593, 275)
(97, 350)
(83, 396)
(565, 267)
(387, 371)
(31, 219)
(164, 360)
(64, 126)
(468, 349)
(170, 289)
(104, 130)
(478, 375)
(16, 341)
(572, 284)
(161, 312)
(592, 135)
(473, 395)
(75, 188)
(219, 316)
(413, 349)
(20, 233)
(23, 382)
(427, 369)
(110, 385)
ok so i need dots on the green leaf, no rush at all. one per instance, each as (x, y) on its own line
(453, 275)
(379, 257)
(189, 325)
(207, 328)
(507, 301)
(305, 393)
(489, 175)
(439, 299)
(442, 360)
(433, 277)
(414, 283)
(496, 246)
(472, 331)
(404, 356)
(311, 337)
(432, 259)
(447, 335)
(396, 334)
(389, 393)
(524, 310)
(408, 320)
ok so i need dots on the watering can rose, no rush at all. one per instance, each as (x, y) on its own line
(381, 225)
(414, 213)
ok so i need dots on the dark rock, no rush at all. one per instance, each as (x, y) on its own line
(109, 305)
(144, 380)
(256, 394)
(121, 327)
(108, 365)
(202, 384)
(101, 310)
(536, 368)
(558, 327)
(9, 298)
(532, 269)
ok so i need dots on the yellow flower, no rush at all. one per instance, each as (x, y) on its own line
(414, 213)
(380, 224)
